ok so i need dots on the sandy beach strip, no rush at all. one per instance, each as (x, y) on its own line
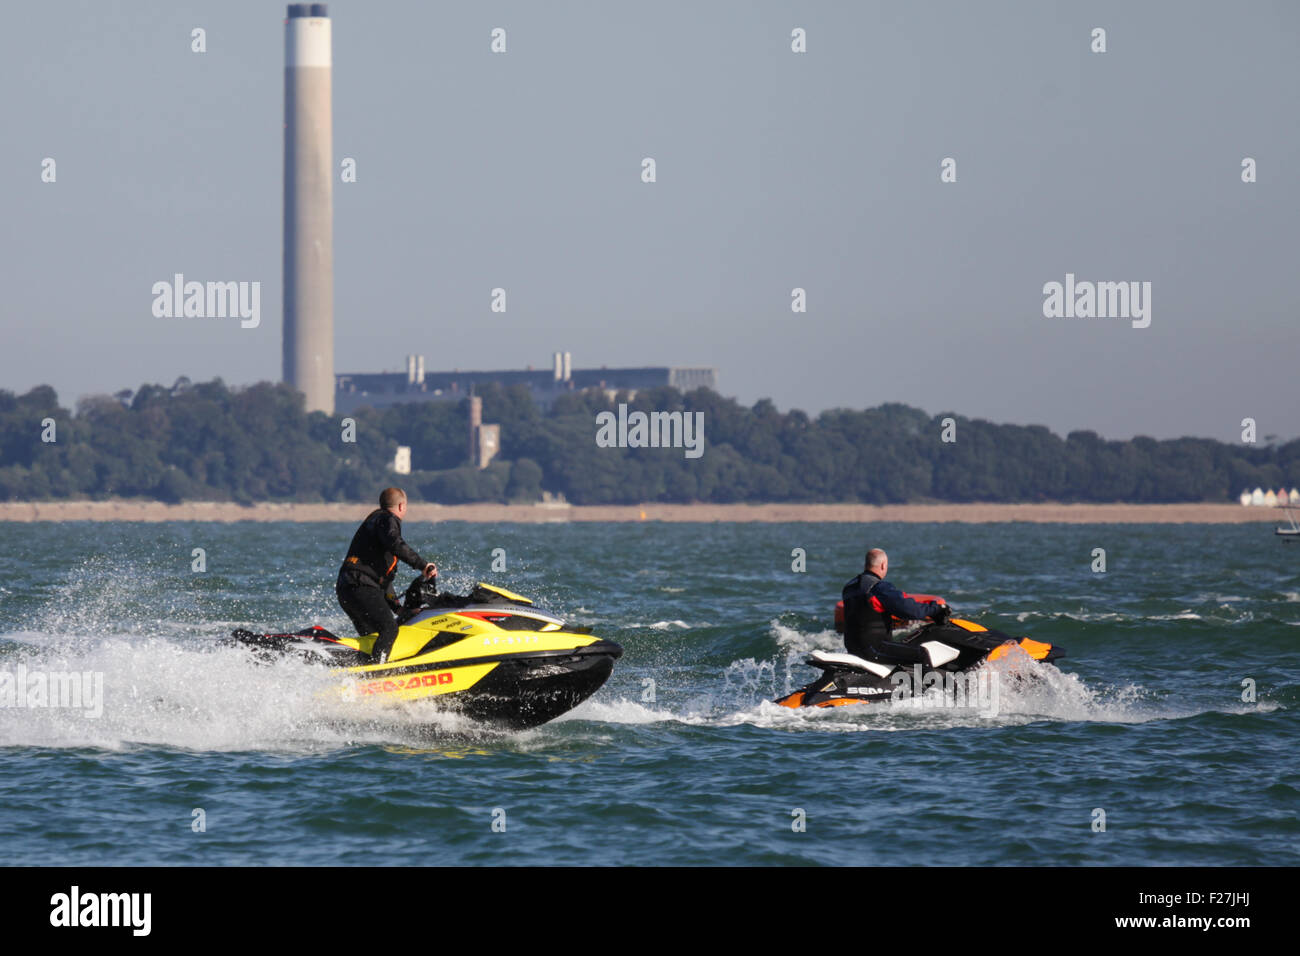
(135, 510)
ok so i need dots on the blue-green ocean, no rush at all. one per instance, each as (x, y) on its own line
(1169, 735)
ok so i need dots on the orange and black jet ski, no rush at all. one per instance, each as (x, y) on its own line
(490, 655)
(953, 648)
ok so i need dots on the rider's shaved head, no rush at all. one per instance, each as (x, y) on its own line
(875, 559)
(391, 497)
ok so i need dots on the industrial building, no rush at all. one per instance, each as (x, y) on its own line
(381, 389)
(308, 345)
(308, 205)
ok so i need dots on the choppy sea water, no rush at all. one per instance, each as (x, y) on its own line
(1175, 713)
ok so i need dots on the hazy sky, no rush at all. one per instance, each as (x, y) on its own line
(775, 170)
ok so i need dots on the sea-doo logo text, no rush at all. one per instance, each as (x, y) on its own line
(37, 688)
(213, 300)
(1102, 300)
(653, 430)
(102, 909)
(419, 680)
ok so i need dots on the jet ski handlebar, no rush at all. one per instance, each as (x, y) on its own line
(420, 593)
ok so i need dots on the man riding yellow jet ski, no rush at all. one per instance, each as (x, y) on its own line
(491, 655)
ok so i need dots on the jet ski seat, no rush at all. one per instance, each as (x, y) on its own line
(850, 661)
(937, 652)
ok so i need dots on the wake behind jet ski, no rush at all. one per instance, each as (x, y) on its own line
(490, 655)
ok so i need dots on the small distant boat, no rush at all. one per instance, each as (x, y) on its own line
(1291, 531)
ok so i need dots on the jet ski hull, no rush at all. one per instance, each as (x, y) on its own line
(492, 657)
(509, 692)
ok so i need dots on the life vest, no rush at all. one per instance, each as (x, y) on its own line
(866, 623)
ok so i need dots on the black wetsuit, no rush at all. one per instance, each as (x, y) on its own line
(869, 603)
(365, 580)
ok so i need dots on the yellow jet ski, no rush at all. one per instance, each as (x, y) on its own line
(491, 655)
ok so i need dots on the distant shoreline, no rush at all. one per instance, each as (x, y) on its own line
(154, 511)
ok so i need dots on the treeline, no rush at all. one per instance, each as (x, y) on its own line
(206, 441)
